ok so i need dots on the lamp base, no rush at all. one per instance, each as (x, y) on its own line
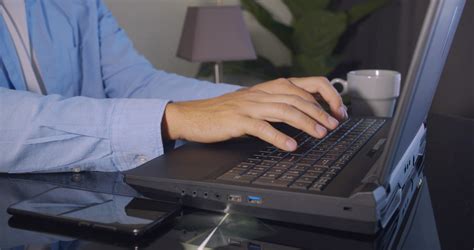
(218, 72)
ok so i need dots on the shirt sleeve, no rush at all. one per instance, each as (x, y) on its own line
(126, 73)
(55, 134)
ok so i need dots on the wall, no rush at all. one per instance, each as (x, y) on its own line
(155, 28)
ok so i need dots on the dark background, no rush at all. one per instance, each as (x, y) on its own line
(387, 39)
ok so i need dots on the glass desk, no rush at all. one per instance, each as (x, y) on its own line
(440, 216)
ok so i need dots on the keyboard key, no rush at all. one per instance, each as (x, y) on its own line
(317, 151)
(302, 137)
(278, 154)
(245, 165)
(341, 162)
(303, 149)
(306, 161)
(313, 156)
(338, 166)
(236, 171)
(276, 171)
(345, 156)
(253, 173)
(284, 165)
(331, 158)
(306, 179)
(331, 155)
(287, 177)
(257, 157)
(333, 170)
(271, 182)
(291, 159)
(270, 175)
(351, 151)
(328, 175)
(323, 181)
(300, 167)
(317, 168)
(240, 178)
(274, 158)
(312, 174)
(267, 163)
(300, 185)
(294, 172)
(227, 177)
(268, 149)
(260, 168)
(317, 187)
(251, 161)
(323, 162)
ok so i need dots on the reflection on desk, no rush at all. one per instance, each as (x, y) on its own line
(194, 226)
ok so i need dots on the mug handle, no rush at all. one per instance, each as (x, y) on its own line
(340, 85)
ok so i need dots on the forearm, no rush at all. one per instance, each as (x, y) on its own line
(51, 133)
(152, 83)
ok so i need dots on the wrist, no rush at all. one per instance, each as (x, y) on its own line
(170, 124)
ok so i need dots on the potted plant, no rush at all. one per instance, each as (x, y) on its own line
(314, 36)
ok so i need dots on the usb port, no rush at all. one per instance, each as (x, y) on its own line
(235, 198)
(254, 199)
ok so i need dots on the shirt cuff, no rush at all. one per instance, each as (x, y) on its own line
(136, 131)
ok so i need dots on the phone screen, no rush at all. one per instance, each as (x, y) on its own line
(103, 211)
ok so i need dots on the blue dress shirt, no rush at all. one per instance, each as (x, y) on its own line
(105, 101)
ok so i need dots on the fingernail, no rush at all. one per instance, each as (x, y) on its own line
(321, 130)
(291, 144)
(343, 111)
(333, 122)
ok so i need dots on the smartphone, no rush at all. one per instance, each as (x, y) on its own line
(109, 213)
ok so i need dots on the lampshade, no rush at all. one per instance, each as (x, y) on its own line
(215, 33)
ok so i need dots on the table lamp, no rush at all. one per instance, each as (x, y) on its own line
(215, 34)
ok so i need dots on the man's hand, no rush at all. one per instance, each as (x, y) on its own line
(249, 111)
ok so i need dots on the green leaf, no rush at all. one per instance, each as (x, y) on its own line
(315, 32)
(318, 32)
(298, 8)
(305, 65)
(361, 10)
(281, 31)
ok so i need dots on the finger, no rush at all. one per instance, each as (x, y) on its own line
(284, 86)
(266, 132)
(282, 112)
(322, 86)
(315, 111)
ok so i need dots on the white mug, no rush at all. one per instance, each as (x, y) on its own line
(373, 92)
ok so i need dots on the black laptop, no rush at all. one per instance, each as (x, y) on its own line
(354, 179)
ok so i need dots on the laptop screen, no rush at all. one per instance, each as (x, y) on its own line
(422, 78)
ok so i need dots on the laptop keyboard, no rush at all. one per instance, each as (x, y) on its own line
(312, 165)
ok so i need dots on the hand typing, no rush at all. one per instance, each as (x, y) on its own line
(249, 111)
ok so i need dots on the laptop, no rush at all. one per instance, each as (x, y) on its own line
(354, 179)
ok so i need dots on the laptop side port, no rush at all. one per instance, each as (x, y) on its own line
(235, 198)
(254, 199)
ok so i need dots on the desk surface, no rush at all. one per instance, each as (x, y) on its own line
(440, 217)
